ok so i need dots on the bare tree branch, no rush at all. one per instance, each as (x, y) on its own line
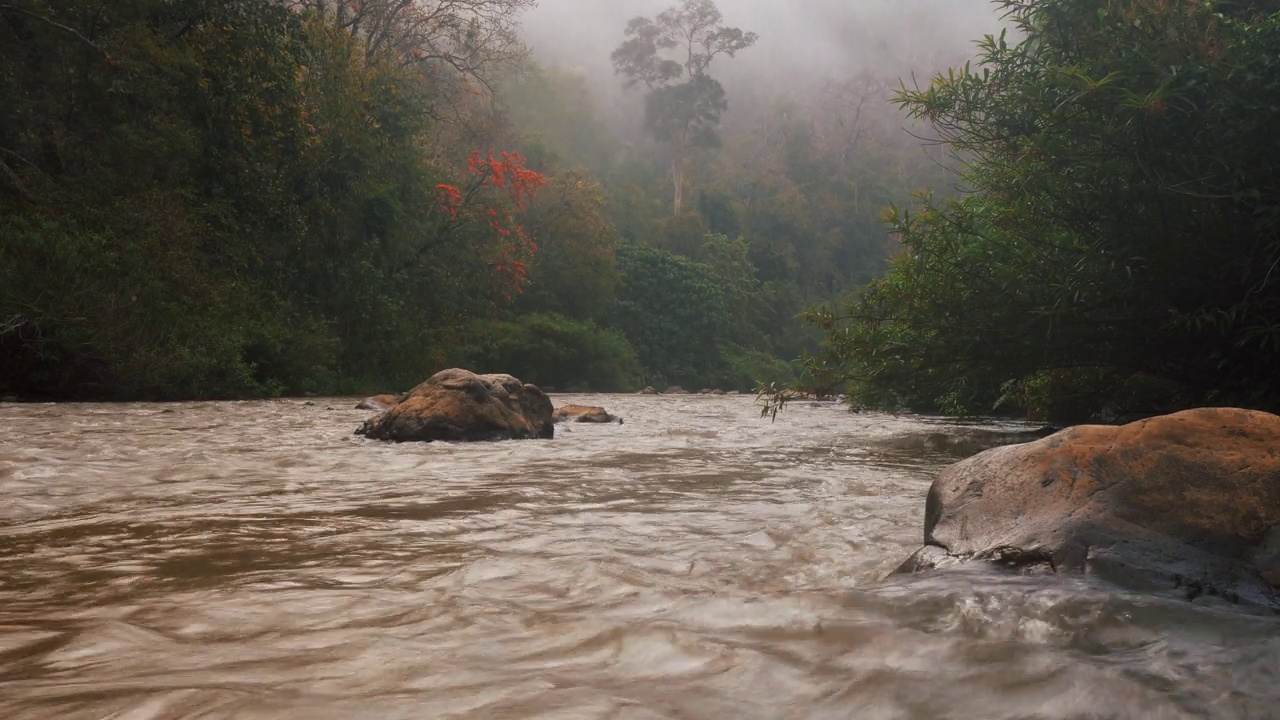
(467, 37)
(49, 21)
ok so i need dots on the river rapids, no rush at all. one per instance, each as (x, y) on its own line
(257, 560)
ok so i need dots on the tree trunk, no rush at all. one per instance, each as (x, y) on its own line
(677, 179)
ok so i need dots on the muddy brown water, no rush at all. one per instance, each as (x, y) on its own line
(257, 560)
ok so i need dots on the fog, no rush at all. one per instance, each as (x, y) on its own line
(818, 35)
(803, 43)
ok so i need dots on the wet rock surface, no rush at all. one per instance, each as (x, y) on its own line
(584, 414)
(379, 402)
(1188, 502)
(962, 442)
(458, 404)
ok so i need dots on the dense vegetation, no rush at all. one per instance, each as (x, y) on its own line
(237, 198)
(211, 199)
(1117, 252)
(234, 198)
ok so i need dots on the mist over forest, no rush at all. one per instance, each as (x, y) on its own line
(803, 44)
(889, 200)
(800, 39)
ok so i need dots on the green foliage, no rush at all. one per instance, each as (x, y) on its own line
(223, 199)
(746, 369)
(575, 272)
(241, 198)
(693, 323)
(553, 351)
(672, 311)
(113, 317)
(1117, 253)
(686, 113)
(558, 122)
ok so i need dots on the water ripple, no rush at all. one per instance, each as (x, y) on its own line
(258, 560)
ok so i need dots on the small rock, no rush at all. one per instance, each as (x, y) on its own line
(584, 414)
(379, 402)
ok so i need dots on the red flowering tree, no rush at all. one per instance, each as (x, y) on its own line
(494, 190)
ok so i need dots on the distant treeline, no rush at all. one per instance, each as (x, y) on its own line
(239, 198)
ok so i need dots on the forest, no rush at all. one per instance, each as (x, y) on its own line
(1114, 251)
(241, 198)
(1075, 216)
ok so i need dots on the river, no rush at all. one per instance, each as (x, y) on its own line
(257, 560)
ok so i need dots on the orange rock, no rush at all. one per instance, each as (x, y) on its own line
(457, 404)
(584, 414)
(1189, 500)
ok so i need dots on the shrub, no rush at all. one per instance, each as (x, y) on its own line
(551, 350)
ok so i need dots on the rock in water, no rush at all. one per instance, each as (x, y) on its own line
(584, 414)
(379, 402)
(457, 404)
(1189, 501)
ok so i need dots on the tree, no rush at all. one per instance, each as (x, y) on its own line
(673, 312)
(575, 272)
(232, 198)
(460, 40)
(670, 55)
(1119, 246)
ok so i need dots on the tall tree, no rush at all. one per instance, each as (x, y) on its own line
(671, 55)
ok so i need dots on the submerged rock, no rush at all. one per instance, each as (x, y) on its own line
(958, 442)
(584, 414)
(379, 402)
(457, 404)
(675, 390)
(648, 390)
(1189, 501)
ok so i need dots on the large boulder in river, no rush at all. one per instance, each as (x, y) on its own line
(378, 402)
(584, 414)
(1189, 501)
(457, 404)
